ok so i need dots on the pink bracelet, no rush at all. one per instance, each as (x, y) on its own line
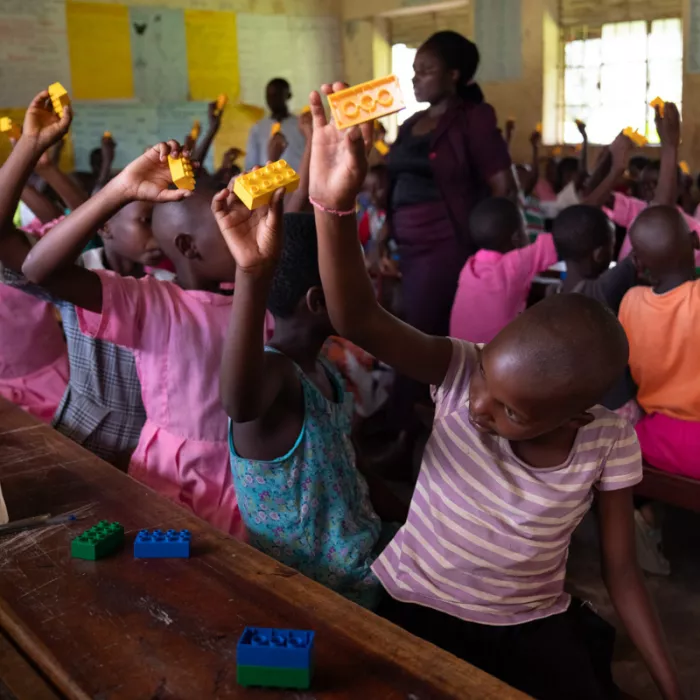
(336, 212)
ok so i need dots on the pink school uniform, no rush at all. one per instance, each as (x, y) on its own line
(493, 288)
(177, 337)
(624, 212)
(33, 355)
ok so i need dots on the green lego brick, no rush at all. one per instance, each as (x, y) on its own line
(273, 677)
(98, 542)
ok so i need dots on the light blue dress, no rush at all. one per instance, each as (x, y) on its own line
(310, 509)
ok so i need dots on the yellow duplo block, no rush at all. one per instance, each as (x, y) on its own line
(107, 135)
(685, 168)
(366, 102)
(181, 172)
(579, 123)
(538, 128)
(658, 102)
(59, 98)
(276, 128)
(195, 130)
(256, 188)
(221, 102)
(7, 126)
(635, 137)
(305, 109)
(381, 147)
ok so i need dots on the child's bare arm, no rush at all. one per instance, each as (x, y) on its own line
(628, 593)
(146, 179)
(669, 128)
(108, 147)
(42, 207)
(338, 168)
(583, 157)
(299, 199)
(202, 148)
(249, 382)
(70, 192)
(620, 150)
(529, 182)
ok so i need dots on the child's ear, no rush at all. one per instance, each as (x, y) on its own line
(581, 420)
(316, 300)
(105, 232)
(599, 254)
(186, 247)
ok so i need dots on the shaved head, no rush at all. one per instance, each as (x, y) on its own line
(548, 367)
(662, 241)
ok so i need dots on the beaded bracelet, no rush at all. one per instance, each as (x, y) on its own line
(336, 212)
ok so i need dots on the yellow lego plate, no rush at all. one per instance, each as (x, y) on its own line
(256, 188)
(366, 101)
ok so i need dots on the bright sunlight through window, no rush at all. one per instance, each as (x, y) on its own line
(609, 79)
(402, 59)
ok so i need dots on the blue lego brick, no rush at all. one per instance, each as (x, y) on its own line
(274, 648)
(162, 545)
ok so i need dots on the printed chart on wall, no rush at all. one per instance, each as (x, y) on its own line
(497, 28)
(693, 60)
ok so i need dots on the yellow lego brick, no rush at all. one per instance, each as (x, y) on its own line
(381, 147)
(181, 172)
(196, 129)
(305, 109)
(635, 137)
(557, 151)
(276, 128)
(7, 126)
(221, 102)
(107, 135)
(538, 128)
(256, 188)
(366, 102)
(59, 98)
(579, 123)
(685, 168)
(658, 102)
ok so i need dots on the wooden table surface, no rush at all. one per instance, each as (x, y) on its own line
(161, 629)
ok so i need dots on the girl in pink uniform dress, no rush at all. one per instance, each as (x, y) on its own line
(33, 356)
(175, 329)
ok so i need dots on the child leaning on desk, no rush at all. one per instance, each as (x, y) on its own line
(517, 450)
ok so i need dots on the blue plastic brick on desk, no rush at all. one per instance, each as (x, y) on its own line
(162, 545)
(273, 648)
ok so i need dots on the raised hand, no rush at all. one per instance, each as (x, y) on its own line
(254, 238)
(148, 179)
(669, 126)
(42, 125)
(306, 124)
(338, 158)
(620, 150)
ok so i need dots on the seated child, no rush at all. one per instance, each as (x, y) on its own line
(663, 327)
(517, 451)
(495, 282)
(300, 494)
(584, 238)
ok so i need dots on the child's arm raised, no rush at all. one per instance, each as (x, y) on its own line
(620, 150)
(70, 192)
(145, 179)
(202, 148)
(249, 382)
(628, 593)
(338, 168)
(669, 128)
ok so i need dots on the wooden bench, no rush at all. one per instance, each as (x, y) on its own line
(669, 488)
(124, 629)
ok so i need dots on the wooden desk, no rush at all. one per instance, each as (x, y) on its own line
(122, 628)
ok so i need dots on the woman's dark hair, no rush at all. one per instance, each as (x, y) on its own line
(460, 54)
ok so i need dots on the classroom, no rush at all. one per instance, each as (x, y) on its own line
(347, 349)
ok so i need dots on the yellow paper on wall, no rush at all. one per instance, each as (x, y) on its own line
(235, 126)
(100, 51)
(212, 54)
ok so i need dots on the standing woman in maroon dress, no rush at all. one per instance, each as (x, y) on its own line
(445, 160)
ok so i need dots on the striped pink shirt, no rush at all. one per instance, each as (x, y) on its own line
(487, 536)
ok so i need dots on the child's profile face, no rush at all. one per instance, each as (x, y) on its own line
(376, 186)
(130, 234)
(648, 181)
(502, 400)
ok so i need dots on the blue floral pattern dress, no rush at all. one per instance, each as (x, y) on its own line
(310, 509)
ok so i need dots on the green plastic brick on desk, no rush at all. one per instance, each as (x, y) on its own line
(98, 542)
(273, 677)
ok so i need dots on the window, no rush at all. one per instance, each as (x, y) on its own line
(610, 77)
(402, 58)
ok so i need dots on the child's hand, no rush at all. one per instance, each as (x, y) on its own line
(669, 126)
(510, 128)
(620, 150)
(338, 158)
(276, 146)
(581, 128)
(254, 238)
(108, 148)
(214, 118)
(536, 139)
(147, 179)
(42, 125)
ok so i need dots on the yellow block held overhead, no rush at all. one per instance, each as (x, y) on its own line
(196, 129)
(366, 102)
(381, 147)
(221, 102)
(256, 188)
(635, 137)
(181, 172)
(59, 98)
(658, 102)
(107, 135)
(7, 126)
(276, 128)
(685, 168)
(305, 109)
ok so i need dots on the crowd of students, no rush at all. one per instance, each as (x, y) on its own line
(235, 406)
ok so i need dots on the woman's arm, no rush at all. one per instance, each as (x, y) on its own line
(338, 169)
(628, 593)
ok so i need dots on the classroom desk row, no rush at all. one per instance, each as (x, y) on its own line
(167, 629)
